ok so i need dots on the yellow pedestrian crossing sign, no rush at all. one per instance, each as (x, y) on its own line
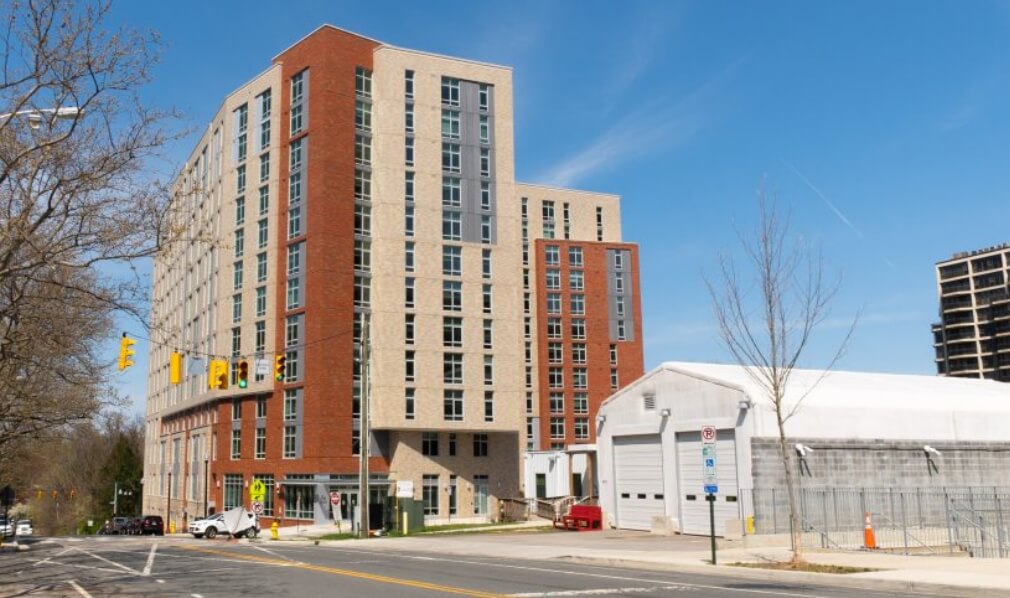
(257, 491)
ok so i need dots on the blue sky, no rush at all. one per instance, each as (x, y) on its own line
(881, 126)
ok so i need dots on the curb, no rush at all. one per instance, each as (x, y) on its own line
(824, 579)
(14, 547)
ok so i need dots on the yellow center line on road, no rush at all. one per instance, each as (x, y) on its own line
(410, 583)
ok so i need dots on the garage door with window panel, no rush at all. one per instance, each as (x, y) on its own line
(638, 471)
(693, 506)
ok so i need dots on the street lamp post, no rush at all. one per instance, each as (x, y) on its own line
(168, 523)
(35, 115)
(206, 485)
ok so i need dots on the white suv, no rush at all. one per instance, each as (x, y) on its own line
(210, 527)
(24, 528)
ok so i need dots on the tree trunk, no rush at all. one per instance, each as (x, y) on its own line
(795, 524)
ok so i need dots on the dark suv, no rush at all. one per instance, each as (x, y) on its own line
(152, 524)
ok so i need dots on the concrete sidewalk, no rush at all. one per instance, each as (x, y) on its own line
(948, 576)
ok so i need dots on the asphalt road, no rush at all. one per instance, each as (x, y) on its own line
(132, 566)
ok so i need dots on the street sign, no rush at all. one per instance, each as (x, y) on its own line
(405, 489)
(335, 499)
(262, 367)
(257, 507)
(711, 489)
(708, 434)
(257, 491)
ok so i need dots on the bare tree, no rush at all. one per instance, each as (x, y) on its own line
(78, 204)
(767, 317)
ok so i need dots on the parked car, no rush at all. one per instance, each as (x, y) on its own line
(6, 527)
(152, 524)
(210, 526)
(120, 525)
(24, 528)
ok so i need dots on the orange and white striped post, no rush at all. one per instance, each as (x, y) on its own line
(869, 539)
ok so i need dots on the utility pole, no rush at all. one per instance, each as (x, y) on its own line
(168, 523)
(115, 498)
(206, 485)
(363, 429)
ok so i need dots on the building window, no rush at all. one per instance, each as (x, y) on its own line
(408, 293)
(408, 329)
(263, 236)
(553, 279)
(619, 284)
(452, 295)
(555, 353)
(363, 82)
(362, 292)
(239, 211)
(558, 427)
(452, 445)
(452, 260)
(362, 150)
(363, 115)
(264, 174)
(489, 370)
(451, 157)
(408, 407)
(621, 331)
(576, 281)
(489, 405)
(486, 294)
(298, 101)
(237, 276)
(408, 84)
(548, 219)
(556, 402)
(485, 195)
(264, 101)
(555, 377)
(578, 329)
(484, 96)
(236, 444)
(240, 179)
(408, 151)
(554, 303)
(408, 366)
(552, 255)
(452, 225)
(452, 405)
(578, 305)
(451, 192)
(239, 242)
(236, 342)
(581, 428)
(261, 444)
(480, 445)
(553, 327)
(580, 378)
(232, 490)
(294, 293)
(618, 260)
(485, 228)
(429, 493)
(450, 124)
(485, 263)
(580, 403)
(599, 224)
(452, 332)
(485, 129)
(450, 91)
(488, 334)
(485, 161)
(619, 306)
(614, 379)
(290, 442)
(613, 354)
(236, 307)
(452, 368)
(261, 341)
(429, 444)
(578, 353)
(294, 222)
(408, 256)
(241, 129)
(261, 267)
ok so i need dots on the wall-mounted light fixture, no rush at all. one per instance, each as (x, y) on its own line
(601, 418)
(802, 449)
(664, 413)
(744, 404)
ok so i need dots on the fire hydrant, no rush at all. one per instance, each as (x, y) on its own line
(274, 534)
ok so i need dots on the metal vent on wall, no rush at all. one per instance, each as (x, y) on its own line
(650, 402)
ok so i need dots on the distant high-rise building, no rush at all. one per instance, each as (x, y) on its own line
(356, 183)
(972, 338)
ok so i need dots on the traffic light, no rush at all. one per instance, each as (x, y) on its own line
(56, 495)
(217, 375)
(280, 364)
(243, 374)
(125, 352)
(38, 494)
(175, 368)
(73, 494)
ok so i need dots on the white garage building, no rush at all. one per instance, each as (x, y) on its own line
(650, 449)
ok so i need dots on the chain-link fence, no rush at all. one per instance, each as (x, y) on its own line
(908, 520)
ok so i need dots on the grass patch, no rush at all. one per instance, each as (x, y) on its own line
(338, 537)
(804, 566)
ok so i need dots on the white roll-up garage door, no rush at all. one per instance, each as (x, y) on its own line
(693, 506)
(638, 472)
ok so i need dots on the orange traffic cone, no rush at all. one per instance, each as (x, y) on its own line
(869, 540)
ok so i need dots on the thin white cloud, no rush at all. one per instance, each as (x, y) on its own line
(659, 123)
(845, 220)
(652, 27)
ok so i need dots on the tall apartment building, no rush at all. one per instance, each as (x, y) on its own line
(357, 186)
(972, 338)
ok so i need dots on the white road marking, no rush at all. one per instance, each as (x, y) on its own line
(47, 559)
(150, 559)
(196, 595)
(274, 554)
(594, 592)
(79, 589)
(113, 563)
(160, 580)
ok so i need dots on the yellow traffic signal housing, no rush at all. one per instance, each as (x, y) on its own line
(280, 364)
(125, 352)
(38, 494)
(243, 374)
(56, 495)
(175, 368)
(217, 374)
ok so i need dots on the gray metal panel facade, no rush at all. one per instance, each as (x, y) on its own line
(470, 148)
(624, 274)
